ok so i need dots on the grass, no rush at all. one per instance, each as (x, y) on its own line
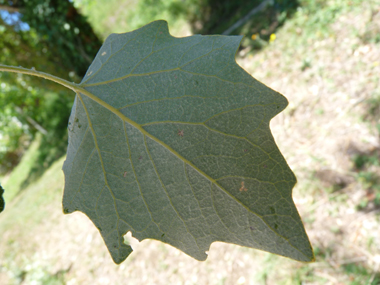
(312, 61)
(112, 16)
(13, 183)
(26, 211)
(358, 275)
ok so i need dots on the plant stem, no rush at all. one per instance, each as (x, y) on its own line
(71, 85)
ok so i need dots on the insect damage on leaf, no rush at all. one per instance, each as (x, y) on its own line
(141, 86)
(242, 188)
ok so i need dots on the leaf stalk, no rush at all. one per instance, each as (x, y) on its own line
(18, 69)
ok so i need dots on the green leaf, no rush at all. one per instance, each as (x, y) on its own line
(169, 139)
(2, 202)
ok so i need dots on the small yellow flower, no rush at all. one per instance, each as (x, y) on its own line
(272, 37)
(254, 37)
(376, 63)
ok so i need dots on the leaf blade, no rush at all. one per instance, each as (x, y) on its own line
(167, 125)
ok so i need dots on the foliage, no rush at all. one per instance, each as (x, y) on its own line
(21, 105)
(212, 16)
(204, 16)
(58, 40)
(63, 29)
(169, 139)
(22, 108)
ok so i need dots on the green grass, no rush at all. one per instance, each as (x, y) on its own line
(30, 207)
(13, 183)
(27, 209)
(358, 274)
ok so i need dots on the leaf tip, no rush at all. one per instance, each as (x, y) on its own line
(119, 254)
(309, 254)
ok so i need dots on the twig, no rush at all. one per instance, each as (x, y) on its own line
(243, 20)
(31, 121)
(9, 9)
(352, 260)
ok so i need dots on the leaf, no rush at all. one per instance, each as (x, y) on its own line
(2, 202)
(169, 139)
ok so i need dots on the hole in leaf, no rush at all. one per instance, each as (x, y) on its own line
(130, 240)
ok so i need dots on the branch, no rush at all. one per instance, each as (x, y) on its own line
(9, 9)
(243, 20)
(79, 46)
(36, 125)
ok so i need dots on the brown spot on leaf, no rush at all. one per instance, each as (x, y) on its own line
(242, 188)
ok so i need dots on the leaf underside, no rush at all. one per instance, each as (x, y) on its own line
(169, 139)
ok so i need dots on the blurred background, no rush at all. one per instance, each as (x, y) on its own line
(324, 56)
